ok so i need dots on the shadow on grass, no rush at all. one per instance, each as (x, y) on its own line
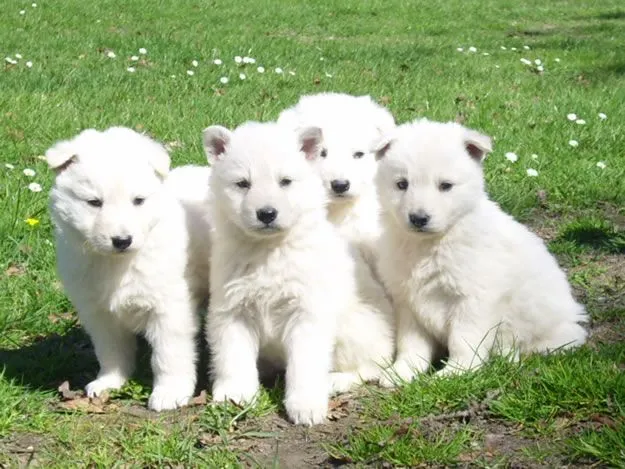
(49, 361)
(598, 237)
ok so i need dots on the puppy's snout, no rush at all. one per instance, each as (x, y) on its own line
(419, 219)
(339, 186)
(266, 214)
(121, 242)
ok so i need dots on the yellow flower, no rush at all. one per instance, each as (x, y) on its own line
(32, 221)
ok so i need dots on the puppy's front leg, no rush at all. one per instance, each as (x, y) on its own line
(415, 349)
(115, 348)
(309, 357)
(234, 352)
(173, 341)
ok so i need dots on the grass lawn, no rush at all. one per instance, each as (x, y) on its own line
(76, 71)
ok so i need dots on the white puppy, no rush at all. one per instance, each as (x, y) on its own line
(350, 124)
(282, 278)
(462, 273)
(122, 252)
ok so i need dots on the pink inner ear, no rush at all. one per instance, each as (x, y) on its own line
(219, 147)
(309, 147)
(474, 151)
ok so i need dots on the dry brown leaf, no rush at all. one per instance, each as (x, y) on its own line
(337, 408)
(83, 404)
(200, 399)
(54, 318)
(66, 393)
(15, 270)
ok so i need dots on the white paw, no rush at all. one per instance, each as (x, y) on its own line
(307, 409)
(400, 373)
(240, 391)
(167, 397)
(341, 382)
(98, 386)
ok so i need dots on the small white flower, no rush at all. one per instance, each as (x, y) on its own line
(278, 70)
(238, 59)
(9, 166)
(513, 48)
(223, 80)
(459, 49)
(540, 68)
(602, 116)
(22, 12)
(485, 53)
(195, 63)
(322, 58)
(34, 5)
(260, 69)
(29, 172)
(34, 187)
(143, 51)
(532, 172)
(217, 62)
(571, 117)
(291, 72)
(173, 76)
(511, 157)
(497, 66)
(526, 62)
(472, 49)
(328, 75)
(110, 54)
(534, 156)
(537, 62)
(503, 48)
(134, 58)
(249, 60)
(131, 69)
(526, 47)
(242, 76)
(557, 59)
(573, 143)
(18, 56)
(601, 165)
(29, 64)
(10, 60)
(580, 121)
(190, 73)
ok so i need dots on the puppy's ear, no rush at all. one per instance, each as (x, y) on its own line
(310, 140)
(477, 145)
(159, 160)
(381, 146)
(61, 155)
(216, 138)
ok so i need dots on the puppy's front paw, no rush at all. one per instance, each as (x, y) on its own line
(167, 397)
(104, 382)
(401, 372)
(306, 408)
(239, 391)
(341, 382)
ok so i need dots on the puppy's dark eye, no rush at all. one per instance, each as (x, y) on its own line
(358, 155)
(95, 202)
(285, 182)
(324, 153)
(445, 186)
(138, 200)
(402, 184)
(244, 184)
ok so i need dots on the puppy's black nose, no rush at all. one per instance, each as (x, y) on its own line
(121, 242)
(339, 185)
(419, 219)
(266, 214)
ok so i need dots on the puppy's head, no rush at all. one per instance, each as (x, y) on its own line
(430, 174)
(350, 124)
(108, 188)
(261, 179)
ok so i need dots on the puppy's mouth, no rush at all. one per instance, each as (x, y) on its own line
(268, 229)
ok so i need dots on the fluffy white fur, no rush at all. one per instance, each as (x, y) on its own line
(288, 289)
(110, 185)
(350, 124)
(462, 273)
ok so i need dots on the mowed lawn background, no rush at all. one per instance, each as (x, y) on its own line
(74, 74)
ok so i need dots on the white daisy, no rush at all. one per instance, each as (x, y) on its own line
(557, 59)
(537, 62)
(573, 143)
(110, 54)
(526, 62)
(472, 49)
(260, 69)
(278, 70)
(34, 187)
(29, 172)
(512, 157)
(29, 64)
(532, 172)
(504, 48)
(223, 80)
(328, 75)
(526, 47)
(131, 69)
(9, 166)
(534, 156)
(190, 73)
(249, 60)
(513, 48)
(601, 165)
(485, 53)
(540, 68)
(22, 12)
(580, 121)
(238, 59)
(571, 117)
(460, 49)
(242, 76)
(602, 116)
(291, 72)
(34, 5)
(18, 56)
(10, 60)
(143, 51)
(322, 58)
(195, 63)
(134, 58)
(217, 62)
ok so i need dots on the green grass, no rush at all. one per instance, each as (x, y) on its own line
(568, 408)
